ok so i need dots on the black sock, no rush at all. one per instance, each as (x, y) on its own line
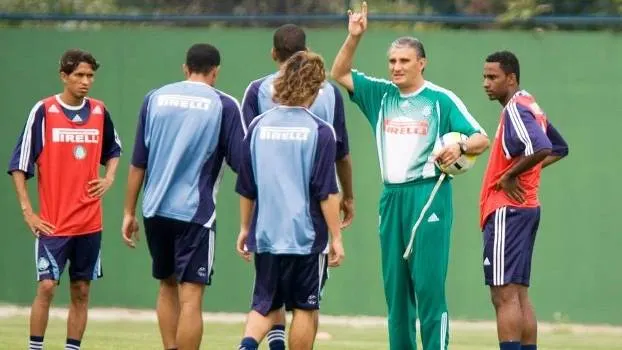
(276, 337)
(509, 345)
(36, 343)
(72, 344)
(248, 343)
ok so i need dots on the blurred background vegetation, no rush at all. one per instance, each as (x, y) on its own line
(504, 11)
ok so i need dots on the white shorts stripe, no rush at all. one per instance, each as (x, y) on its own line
(210, 260)
(498, 257)
(495, 250)
(444, 326)
(321, 262)
(37, 257)
(502, 266)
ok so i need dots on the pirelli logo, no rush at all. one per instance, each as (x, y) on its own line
(283, 133)
(75, 135)
(184, 102)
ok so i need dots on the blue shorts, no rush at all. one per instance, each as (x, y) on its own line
(181, 249)
(509, 237)
(295, 281)
(83, 252)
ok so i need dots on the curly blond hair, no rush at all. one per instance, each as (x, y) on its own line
(300, 79)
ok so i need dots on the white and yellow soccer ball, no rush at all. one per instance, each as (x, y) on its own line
(464, 163)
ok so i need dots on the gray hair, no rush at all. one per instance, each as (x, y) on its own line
(409, 41)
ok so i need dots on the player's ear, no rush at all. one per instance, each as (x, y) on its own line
(273, 54)
(513, 79)
(186, 71)
(214, 73)
(63, 77)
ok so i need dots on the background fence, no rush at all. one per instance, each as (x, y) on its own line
(567, 14)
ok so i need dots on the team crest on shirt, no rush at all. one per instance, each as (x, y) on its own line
(79, 152)
(426, 111)
(43, 264)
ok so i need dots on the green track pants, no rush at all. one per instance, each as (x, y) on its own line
(416, 287)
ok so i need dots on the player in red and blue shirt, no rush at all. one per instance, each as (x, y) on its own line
(525, 142)
(65, 140)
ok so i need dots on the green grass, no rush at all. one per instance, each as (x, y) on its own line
(144, 335)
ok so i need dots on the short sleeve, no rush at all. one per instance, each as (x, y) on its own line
(522, 134)
(245, 184)
(231, 131)
(368, 93)
(250, 103)
(460, 119)
(111, 147)
(30, 143)
(141, 151)
(560, 147)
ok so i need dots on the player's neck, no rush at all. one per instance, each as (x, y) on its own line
(70, 99)
(418, 84)
(508, 97)
(201, 78)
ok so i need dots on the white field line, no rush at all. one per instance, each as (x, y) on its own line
(136, 315)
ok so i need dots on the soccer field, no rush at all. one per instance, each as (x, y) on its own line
(138, 330)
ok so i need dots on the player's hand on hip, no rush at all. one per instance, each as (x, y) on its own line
(357, 21)
(129, 230)
(336, 253)
(347, 208)
(37, 225)
(98, 187)
(448, 154)
(241, 246)
(511, 187)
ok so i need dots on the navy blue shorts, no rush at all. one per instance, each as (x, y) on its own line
(181, 249)
(83, 252)
(295, 281)
(509, 237)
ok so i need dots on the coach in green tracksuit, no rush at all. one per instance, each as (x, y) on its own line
(408, 115)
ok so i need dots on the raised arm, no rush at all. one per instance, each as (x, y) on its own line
(342, 66)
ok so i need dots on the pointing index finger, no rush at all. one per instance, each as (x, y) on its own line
(364, 9)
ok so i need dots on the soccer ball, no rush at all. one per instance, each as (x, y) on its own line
(464, 163)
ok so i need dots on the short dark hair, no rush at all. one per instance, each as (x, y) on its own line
(507, 61)
(409, 41)
(72, 58)
(202, 58)
(289, 39)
